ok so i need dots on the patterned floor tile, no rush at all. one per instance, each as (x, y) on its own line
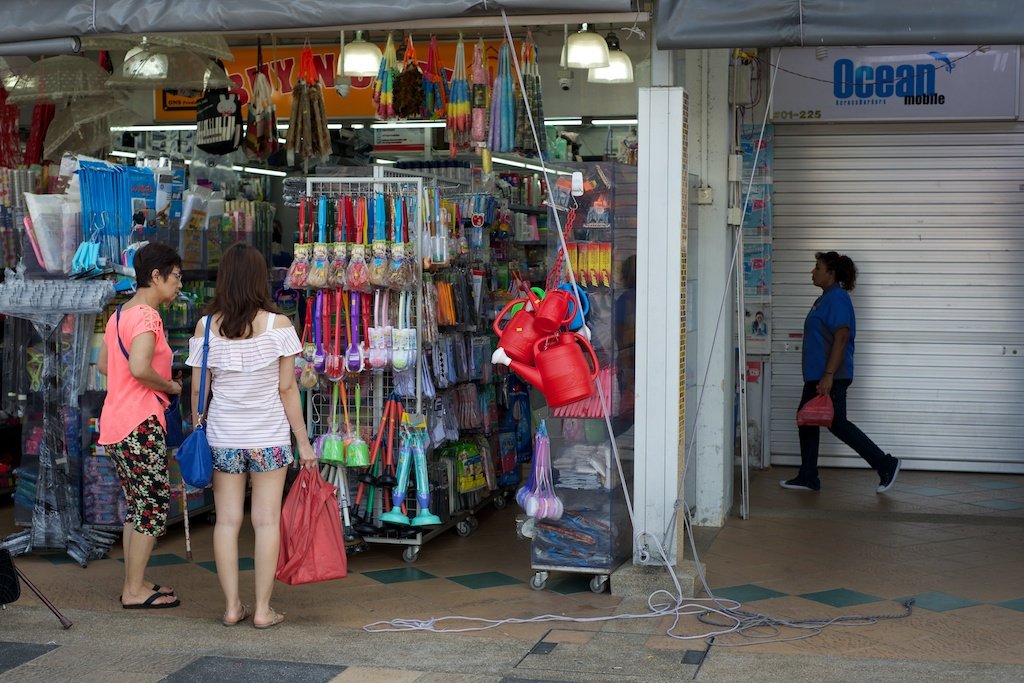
(163, 560)
(995, 485)
(1013, 604)
(567, 585)
(484, 580)
(926, 490)
(237, 670)
(245, 564)
(1000, 504)
(15, 654)
(941, 602)
(399, 575)
(841, 597)
(747, 593)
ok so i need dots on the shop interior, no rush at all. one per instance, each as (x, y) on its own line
(449, 218)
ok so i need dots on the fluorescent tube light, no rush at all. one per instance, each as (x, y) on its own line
(409, 124)
(124, 155)
(151, 129)
(614, 122)
(264, 171)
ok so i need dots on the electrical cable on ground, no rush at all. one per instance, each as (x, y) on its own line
(722, 614)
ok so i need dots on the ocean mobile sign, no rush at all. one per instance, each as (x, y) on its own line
(896, 83)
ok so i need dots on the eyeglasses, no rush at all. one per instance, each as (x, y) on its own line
(177, 274)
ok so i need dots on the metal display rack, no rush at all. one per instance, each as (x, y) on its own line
(376, 386)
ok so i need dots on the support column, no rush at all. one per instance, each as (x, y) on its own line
(707, 79)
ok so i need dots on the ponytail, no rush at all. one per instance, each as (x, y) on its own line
(840, 265)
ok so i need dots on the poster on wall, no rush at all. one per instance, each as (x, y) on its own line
(896, 83)
(757, 269)
(757, 318)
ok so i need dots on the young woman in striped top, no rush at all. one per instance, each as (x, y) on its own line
(253, 413)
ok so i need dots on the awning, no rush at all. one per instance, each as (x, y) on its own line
(25, 20)
(683, 24)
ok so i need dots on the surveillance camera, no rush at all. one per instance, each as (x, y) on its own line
(565, 79)
(342, 86)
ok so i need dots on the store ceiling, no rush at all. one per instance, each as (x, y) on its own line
(688, 24)
(23, 21)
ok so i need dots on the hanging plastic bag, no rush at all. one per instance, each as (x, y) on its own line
(818, 412)
(261, 129)
(379, 264)
(312, 546)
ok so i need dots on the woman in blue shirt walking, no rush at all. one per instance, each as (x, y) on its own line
(829, 332)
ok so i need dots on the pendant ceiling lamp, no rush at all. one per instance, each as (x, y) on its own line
(361, 58)
(586, 50)
(147, 67)
(619, 69)
(208, 44)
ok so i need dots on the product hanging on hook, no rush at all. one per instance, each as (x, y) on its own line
(384, 84)
(502, 136)
(409, 100)
(435, 89)
(459, 103)
(481, 96)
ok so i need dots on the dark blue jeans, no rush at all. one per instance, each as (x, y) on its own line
(845, 431)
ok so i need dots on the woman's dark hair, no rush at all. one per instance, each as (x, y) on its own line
(154, 256)
(242, 290)
(841, 266)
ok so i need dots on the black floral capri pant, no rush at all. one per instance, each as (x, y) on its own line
(141, 461)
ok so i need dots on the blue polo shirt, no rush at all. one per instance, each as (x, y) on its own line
(831, 311)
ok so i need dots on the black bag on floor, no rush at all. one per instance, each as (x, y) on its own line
(10, 587)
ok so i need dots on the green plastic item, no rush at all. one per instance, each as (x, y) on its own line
(536, 290)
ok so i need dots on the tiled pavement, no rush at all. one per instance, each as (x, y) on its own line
(952, 542)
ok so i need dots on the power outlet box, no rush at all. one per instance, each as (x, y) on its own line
(705, 195)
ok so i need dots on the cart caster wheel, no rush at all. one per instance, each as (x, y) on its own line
(598, 584)
(538, 581)
(500, 502)
(473, 522)
(411, 554)
(463, 528)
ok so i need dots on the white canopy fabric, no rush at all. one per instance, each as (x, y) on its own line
(25, 20)
(686, 24)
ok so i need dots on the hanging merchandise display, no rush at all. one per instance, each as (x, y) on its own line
(384, 84)
(435, 87)
(537, 497)
(42, 116)
(219, 121)
(10, 146)
(309, 140)
(459, 103)
(502, 131)
(409, 95)
(261, 122)
(530, 65)
(481, 100)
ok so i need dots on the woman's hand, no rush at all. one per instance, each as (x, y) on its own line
(825, 384)
(307, 456)
(174, 388)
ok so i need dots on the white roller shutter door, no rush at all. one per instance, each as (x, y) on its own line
(933, 215)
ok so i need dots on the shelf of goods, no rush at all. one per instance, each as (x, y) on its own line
(592, 536)
(395, 371)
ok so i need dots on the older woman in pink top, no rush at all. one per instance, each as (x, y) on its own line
(136, 359)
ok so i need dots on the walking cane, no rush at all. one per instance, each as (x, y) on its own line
(184, 509)
(64, 621)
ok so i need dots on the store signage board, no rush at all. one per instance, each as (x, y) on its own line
(282, 64)
(897, 83)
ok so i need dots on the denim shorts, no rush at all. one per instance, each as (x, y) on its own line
(242, 460)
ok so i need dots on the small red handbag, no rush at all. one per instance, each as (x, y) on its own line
(818, 412)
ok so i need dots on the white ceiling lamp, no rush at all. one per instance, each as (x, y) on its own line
(586, 50)
(361, 58)
(619, 69)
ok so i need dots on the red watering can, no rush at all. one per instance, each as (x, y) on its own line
(519, 335)
(557, 309)
(562, 373)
